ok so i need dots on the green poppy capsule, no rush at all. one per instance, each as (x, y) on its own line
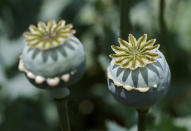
(138, 75)
(52, 56)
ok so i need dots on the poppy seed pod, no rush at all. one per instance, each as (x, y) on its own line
(138, 75)
(52, 57)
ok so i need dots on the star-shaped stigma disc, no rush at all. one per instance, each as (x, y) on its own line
(135, 53)
(48, 36)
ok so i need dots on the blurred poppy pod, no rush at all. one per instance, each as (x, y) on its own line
(52, 57)
(138, 75)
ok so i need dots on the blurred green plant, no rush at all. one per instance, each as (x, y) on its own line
(97, 23)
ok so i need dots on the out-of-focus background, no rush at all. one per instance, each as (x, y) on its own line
(91, 106)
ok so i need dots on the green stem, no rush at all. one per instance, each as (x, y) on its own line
(165, 38)
(162, 23)
(142, 119)
(162, 20)
(60, 96)
(62, 107)
(161, 16)
(125, 25)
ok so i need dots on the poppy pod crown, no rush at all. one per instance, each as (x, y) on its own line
(134, 54)
(48, 36)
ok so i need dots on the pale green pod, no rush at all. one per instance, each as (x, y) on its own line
(58, 60)
(54, 62)
(140, 87)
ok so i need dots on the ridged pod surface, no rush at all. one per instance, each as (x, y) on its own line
(140, 86)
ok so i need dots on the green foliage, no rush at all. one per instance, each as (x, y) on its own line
(91, 106)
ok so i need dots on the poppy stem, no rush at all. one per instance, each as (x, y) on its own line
(61, 99)
(125, 25)
(142, 113)
(161, 16)
(62, 107)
